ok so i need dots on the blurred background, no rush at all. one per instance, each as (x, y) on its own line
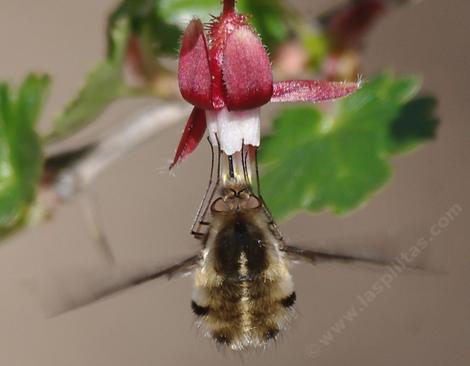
(146, 213)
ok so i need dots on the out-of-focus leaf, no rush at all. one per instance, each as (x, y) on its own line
(268, 16)
(270, 19)
(416, 123)
(20, 149)
(155, 30)
(315, 160)
(317, 47)
(102, 86)
(180, 12)
(162, 21)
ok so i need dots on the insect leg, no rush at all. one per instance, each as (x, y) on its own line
(217, 182)
(205, 203)
(271, 222)
(246, 175)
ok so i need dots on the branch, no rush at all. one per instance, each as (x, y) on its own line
(137, 130)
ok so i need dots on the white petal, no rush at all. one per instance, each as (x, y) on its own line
(234, 129)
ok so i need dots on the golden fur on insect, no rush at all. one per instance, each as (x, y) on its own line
(243, 291)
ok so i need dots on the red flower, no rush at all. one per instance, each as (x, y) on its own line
(229, 78)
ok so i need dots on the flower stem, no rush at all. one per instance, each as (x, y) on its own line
(229, 5)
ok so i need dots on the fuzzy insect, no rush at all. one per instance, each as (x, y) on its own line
(243, 294)
(243, 291)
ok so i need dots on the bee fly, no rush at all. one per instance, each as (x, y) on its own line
(243, 291)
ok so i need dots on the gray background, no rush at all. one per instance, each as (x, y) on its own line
(420, 320)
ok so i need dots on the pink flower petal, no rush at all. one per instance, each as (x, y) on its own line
(311, 90)
(193, 71)
(192, 135)
(246, 71)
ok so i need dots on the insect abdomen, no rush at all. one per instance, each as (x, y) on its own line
(243, 287)
(244, 313)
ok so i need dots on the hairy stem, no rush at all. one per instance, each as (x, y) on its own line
(229, 5)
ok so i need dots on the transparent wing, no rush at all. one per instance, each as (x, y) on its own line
(321, 255)
(74, 290)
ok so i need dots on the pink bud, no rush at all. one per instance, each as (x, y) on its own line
(193, 72)
(349, 25)
(246, 71)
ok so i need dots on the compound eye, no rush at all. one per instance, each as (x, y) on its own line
(244, 194)
(251, 203)
(220, 206)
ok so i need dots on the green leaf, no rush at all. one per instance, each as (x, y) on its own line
(415, 124)
(317, 47)
(270, 20)
(315, 160)
(20, 148)
(181, 11)
(268, 16)
(153, 27)
(103, 85)
(162, 21)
